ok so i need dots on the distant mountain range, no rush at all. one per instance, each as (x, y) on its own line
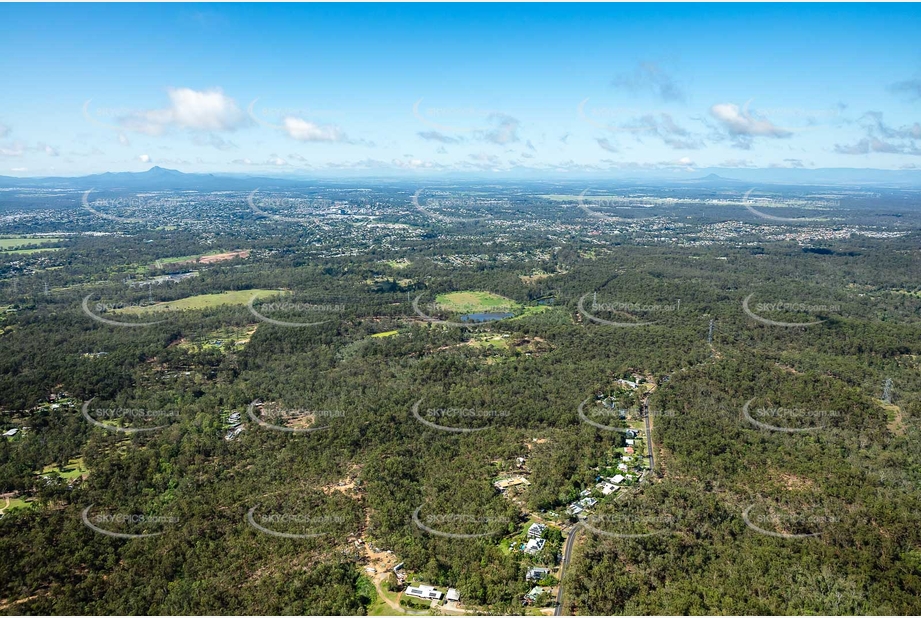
(162, 179)
(155, 179)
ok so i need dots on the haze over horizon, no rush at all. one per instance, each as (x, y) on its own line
(441, 90)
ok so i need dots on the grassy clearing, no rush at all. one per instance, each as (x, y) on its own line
(72, 470)
(401, 263)
(529, 311)
(17, 242)
(177, 260)
(203, 301)
(17, 503)
(486, 340)
(388, 333)
(471, 302)
(894, 418)
(29, 251)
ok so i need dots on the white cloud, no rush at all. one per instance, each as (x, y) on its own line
(16, 149)
(306, 131)
(436, 136)
(195, 110)
(506, 131)
(19, 169)
(736, 163)
(882, 138)
(144, 158)
(649, 77)
(665, 127)
(742, 126)
(123, 139)
(214, 140)
(606, 144)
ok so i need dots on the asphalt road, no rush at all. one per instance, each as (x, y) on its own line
(567, 553)
(652, 463)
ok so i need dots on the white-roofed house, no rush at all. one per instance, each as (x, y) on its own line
(536, 530)
(423, 592)
(533, 546)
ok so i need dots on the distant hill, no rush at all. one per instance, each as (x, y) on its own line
(155, 179)
(840, 176)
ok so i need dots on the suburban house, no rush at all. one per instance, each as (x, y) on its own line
(504, 484)
(453, 595)
(536, 531)
(617, 479)
(10, 432)
(534, 545)
(424, 592)
(532, 596)
(537, 574)
(607, 489)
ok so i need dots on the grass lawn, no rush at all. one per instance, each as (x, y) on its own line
(16, 242)
(28, 251)
(470, 302)
(388, 333)
(529, 311)
(202, 301)
(185, 258)
(487, 340)
(73, 469)
(379, 608)
(17, 503)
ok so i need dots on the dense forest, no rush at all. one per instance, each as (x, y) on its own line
(850, 480)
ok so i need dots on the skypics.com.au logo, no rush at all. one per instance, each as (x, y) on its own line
(622, 307)
(426, 417)
(788, 307)
(103, 523)
(114, 415)
(111, 308)
(815, 419)
(292, 420)
(440, 217)
(315, 525)
(434, 524)
(780, 524)
(288, 308)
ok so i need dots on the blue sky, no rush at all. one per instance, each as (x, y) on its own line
(436, 89)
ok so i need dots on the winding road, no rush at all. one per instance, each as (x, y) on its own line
(567, 554)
